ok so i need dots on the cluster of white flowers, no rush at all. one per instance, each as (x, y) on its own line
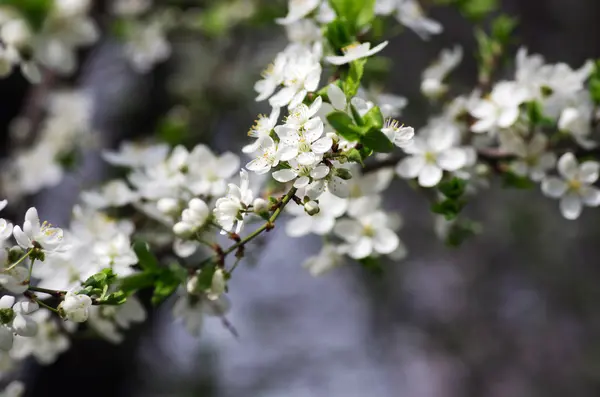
(66, 27)
(60, 137)
(310, 150)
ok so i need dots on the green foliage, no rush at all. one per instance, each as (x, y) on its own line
(344, 125)
(367, 130)
(492, 45)
(338, 35)
(34, 11)
(449, 208)
(460, 231)
(146, 259)
(205, 277)
(377, 141)
(356, 14)
(474, 10)
(164, 280)
(510, 179)
(372, 264)
(594, 83)
(536, 116)
(353, 77)
(454, 188)
(453, 204)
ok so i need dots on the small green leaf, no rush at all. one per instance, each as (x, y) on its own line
(146, 259)
(352, 79)
(358, 13)
(373, 118)
(372, 265)
(338, 34)
(34, 11)
(449, 208)
(344, 125)
(453, 188)
(116, 298)
(510, 179)
(355, 156)
(136, 282)
(460, 231)
(377, 141)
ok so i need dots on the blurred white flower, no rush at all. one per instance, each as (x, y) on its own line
(575, 185)
(355, 51)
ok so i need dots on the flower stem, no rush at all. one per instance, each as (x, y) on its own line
(55, 293)
(21, 259)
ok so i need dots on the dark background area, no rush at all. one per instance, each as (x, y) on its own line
(513, 312)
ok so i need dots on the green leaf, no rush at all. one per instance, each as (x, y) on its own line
(116, 298)
(460, 231)
(377, 141)
(164, 287)
(353, 77)
(510, 179)
(373, 118)
(101, 279)
(338, 34)
(344, 125)
(355, 156)
(450, 208)
(358, 13)
(146, 259)
(136, 282)
(34, 11)
(453, 188)
(503, 27)
(372, 265)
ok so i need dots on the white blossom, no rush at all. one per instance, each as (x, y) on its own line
(410, 14)
(46, 345)
(228, 209)
(400, 135)
(192, 309)
(366, 234)
(500, 110)
(132, 154)
(115, 193)
(268, 157)
(44, 234)
(192, 218)
(330, 208)
(13, 389)
(298, 9)
(261, 129)
(355, 51)
(534, 159)
(574, 187)
(327, 259)
(117, 254)
(75, 307)
(432, 84)
(431, 155)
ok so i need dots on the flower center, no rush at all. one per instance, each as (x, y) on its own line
(574, 185)
(369, 231)
(430, 157)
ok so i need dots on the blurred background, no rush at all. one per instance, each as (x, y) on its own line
(512, 312)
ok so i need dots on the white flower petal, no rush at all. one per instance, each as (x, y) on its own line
(452, 159)
(571, 206)
(567, 166)
(554, 187)
(588, 172)
(590, 196)
(284, 176)
(430, 175)
(322, 145)
(385, 241)
(410, 167)
(336, 97)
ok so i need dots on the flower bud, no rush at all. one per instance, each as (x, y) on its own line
(260, 205)
(24, 325)
(192, 285)
(311, 208)
(217, 286)
(167, 206)
(16, 33)
(75, 307)
(343, 173)
(182, 229)
(15, 253)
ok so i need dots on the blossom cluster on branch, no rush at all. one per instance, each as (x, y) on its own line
(180, 219)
